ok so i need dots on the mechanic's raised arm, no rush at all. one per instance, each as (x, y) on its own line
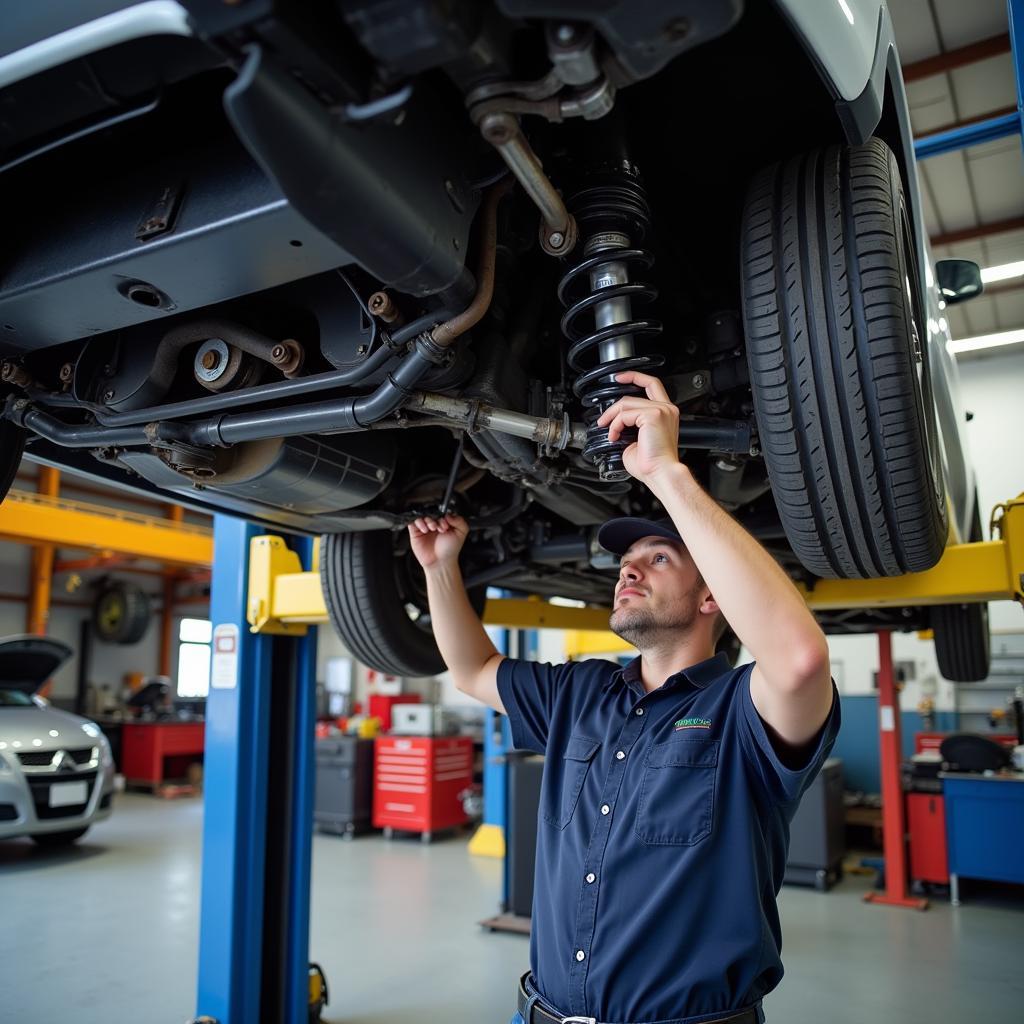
(791, 685)
(461, 638)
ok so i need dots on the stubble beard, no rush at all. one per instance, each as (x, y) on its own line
(645, 630)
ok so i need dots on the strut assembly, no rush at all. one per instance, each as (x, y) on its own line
(614, 219)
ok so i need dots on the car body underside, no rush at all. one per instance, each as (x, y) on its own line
(301, 262)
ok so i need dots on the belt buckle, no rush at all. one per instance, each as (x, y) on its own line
(579, 1020)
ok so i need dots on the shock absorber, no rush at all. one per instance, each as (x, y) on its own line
(599, 293)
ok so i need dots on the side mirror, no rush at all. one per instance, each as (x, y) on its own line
(958, 280)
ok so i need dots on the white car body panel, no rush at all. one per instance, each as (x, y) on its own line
(842, 35)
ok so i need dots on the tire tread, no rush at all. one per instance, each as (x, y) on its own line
(834, 384)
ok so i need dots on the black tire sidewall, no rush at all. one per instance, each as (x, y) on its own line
(916, 321)
(366, 605)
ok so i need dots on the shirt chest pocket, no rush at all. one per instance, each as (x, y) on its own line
(564, 793)
(677, 796)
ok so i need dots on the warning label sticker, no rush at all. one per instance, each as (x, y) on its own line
(224, 667)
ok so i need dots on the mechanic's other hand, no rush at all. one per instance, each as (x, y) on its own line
(437, 542)
(657, 421)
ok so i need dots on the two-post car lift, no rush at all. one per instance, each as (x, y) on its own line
(253, 949)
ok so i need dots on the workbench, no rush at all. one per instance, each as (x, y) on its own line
(984, 827)
(147, 746)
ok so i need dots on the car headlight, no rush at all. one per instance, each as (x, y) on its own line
(91, 730)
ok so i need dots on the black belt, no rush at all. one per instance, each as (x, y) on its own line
(539, 1013)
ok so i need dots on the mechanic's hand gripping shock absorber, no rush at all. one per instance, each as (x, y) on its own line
(614, 219)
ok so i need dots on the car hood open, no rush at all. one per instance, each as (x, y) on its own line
(26, 662)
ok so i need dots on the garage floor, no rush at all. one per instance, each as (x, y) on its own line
(107, 934)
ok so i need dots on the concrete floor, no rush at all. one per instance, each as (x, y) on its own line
(106, 934)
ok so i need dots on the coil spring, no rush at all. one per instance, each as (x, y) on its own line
(599, 288)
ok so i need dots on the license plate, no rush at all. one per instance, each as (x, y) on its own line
(66, 794)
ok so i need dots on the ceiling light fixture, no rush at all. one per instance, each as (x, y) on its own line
(1003, 272)
(983, 341)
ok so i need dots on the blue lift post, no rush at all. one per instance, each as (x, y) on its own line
(257, 832)
(993, 127)
(490, 838)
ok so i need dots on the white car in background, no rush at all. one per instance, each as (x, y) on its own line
(56, 771)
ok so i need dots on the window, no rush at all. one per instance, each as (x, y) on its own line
(195, 637)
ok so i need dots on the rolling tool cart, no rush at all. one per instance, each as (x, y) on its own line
(418, 783)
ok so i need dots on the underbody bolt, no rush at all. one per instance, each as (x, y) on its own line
(209, 359)
(15, 374)
(698, 381)
(66, 372)
(278, 352)
(382, 475)
(108, 394)
(382, 305)
(555, 239)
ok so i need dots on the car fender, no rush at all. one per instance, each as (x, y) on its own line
(841, 36)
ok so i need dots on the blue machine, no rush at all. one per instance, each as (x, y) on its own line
(984, 828)
(258, 804)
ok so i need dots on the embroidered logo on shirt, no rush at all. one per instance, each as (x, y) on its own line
(693, 723)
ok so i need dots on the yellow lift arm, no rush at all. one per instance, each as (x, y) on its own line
(284, 599)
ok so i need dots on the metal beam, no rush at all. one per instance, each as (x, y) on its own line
(966, 122)
(958, 58)
(28, 518)
(984, 571)
(987, 130)
(283, 598)
(996, 227)
(1015, 16)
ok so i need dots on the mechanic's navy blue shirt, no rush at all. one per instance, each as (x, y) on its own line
(662, 837)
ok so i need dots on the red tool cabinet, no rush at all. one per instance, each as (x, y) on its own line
(417, 781)
(926, 824)
(153, 751)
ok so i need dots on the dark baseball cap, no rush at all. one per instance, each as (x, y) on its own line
(618, 535)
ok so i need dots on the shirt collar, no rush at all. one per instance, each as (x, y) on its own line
(701, 675)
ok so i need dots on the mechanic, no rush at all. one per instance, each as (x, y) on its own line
(668, 785)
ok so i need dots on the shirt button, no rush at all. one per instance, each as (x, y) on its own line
(605, 809)
(591, 878)
(580, 955)
(639, 711)
(620, 754)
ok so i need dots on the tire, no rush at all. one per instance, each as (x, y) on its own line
(963, 643)
(12, 444)
(121, 614)
(842, 388)
(376, 599)
(52, 839)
